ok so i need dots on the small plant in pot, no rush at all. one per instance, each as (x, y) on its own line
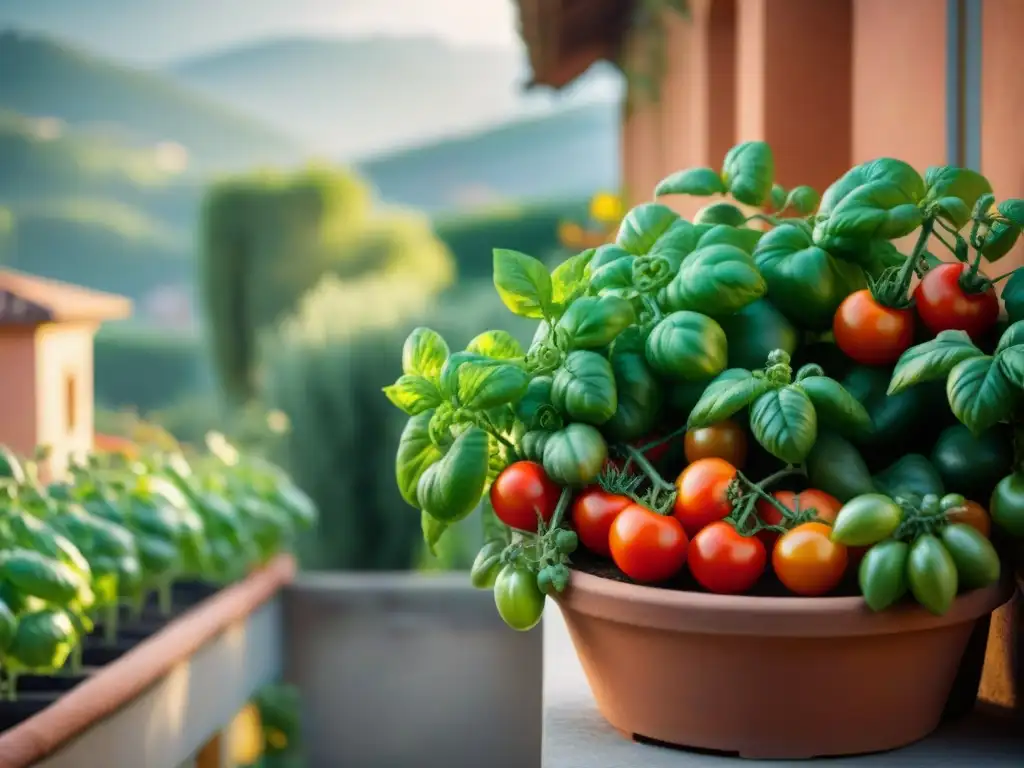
(761, 459)
(80, 560)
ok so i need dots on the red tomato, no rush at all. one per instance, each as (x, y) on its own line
(724, 440)
(701, 493)
(593, 511)
(523, 491)
(724, 561)
(647, 546)
(944, 305)
(974, 515)
(807, 561)
(869, 333)
(825, 506)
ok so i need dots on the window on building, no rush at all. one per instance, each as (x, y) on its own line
(70, 401)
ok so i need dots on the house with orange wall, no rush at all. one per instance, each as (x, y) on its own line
(828, 83)
(46, 365)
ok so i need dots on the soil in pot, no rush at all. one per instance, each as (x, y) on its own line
(28, 704)
(745, 675)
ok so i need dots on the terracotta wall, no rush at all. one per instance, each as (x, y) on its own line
(17, 390)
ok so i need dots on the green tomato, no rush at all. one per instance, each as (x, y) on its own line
(687, 346)
(883, 574)
(835, 466)
(592, 322)
(911, 475)
(486, 565)
(973, 465)
(519, 601)
(575, 456)
(866, 520)
(931, 573)
(584, 388)
(977, 562)
(1007, 504)
(754, 332)
(804, 281)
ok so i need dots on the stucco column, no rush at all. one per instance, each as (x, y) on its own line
(793, 67)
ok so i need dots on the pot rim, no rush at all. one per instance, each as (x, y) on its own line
(706, 613)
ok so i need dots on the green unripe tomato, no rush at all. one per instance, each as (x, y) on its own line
(517, 597)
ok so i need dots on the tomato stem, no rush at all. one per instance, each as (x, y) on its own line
(658, 483)
(893, 288)
(662, 440)
(563, 504)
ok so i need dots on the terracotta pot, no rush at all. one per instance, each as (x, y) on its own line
(746, 675)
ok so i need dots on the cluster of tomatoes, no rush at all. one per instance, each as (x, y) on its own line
(650, 547)
(871, 333)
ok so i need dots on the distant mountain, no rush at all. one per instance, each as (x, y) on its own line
(567, 154)
(352, 97)
(44, 78)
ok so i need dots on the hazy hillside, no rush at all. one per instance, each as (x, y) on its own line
(567, 154)
(351, 97)
(43, 78)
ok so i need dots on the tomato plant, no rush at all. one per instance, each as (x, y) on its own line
(725, 440)
(593, 512)
(871, 333)
(523, 494)
(646, 546)
(701, 493)
(724, 561)
(519, 601)
(824, 507)
(807, 561)
(946, 300)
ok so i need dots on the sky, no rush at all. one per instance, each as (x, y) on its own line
(153, 32)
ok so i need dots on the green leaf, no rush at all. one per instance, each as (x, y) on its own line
(702, 182)
(416, 452)
(1013, 296)
(569, 279)
(720, 213)
(499, 345)
(413, 394)
(778, 197)
(687, 346)
(643, 225)
(748, 172)
(979, 393)
(482, 386)
(42, 642)
(614, 278)
(784, 422)
(835, 407)
(523, 283)
(947, 182)
(877, 199)
(999, 240)
(803, 199)
(534, 409)
(715, 280)
(932, 360)
(433, 529)
(424, 354)
(1011, 363)
(1013, 211)
(584, 388)
(592, 322)
(727, 395)
(721, 234)
(32, 573)
(1011, 337)
(451, 488)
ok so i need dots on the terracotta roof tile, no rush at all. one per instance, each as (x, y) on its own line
(29, 300)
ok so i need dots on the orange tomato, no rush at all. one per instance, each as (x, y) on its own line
(807, 561)
(825, 505)
(724, 440)
(701, 493)
(974, 515)
(869, 333)
(647, 546)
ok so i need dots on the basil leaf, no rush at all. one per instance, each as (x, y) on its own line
(835, 407)
(778, 197)
(451, 488)
(592, 322)
(416, 452)
(1013, 296)
(642, 227)
(569, 279)
(535, 409)
(693, 181)
(721, 234)
(523, 283)
(413, 394)
(482, 386)
(43, 640)
(1013, 211)
(716, 280)
(876, 210)
(1011, 362)
(729, 393)
(720, 213)
(999, 240)
(433, 529)
(687, 346)
(424, 354)
(748, 172)
(979, 393)
(947, 183)
(499, 345)
(34, 574)
(615, 278)
(803, 199)
(932, 360)
(1011, 337)
(784, 422)
(584, 388)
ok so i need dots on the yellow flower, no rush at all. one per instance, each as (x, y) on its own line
(606, 208)
(570, 234)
